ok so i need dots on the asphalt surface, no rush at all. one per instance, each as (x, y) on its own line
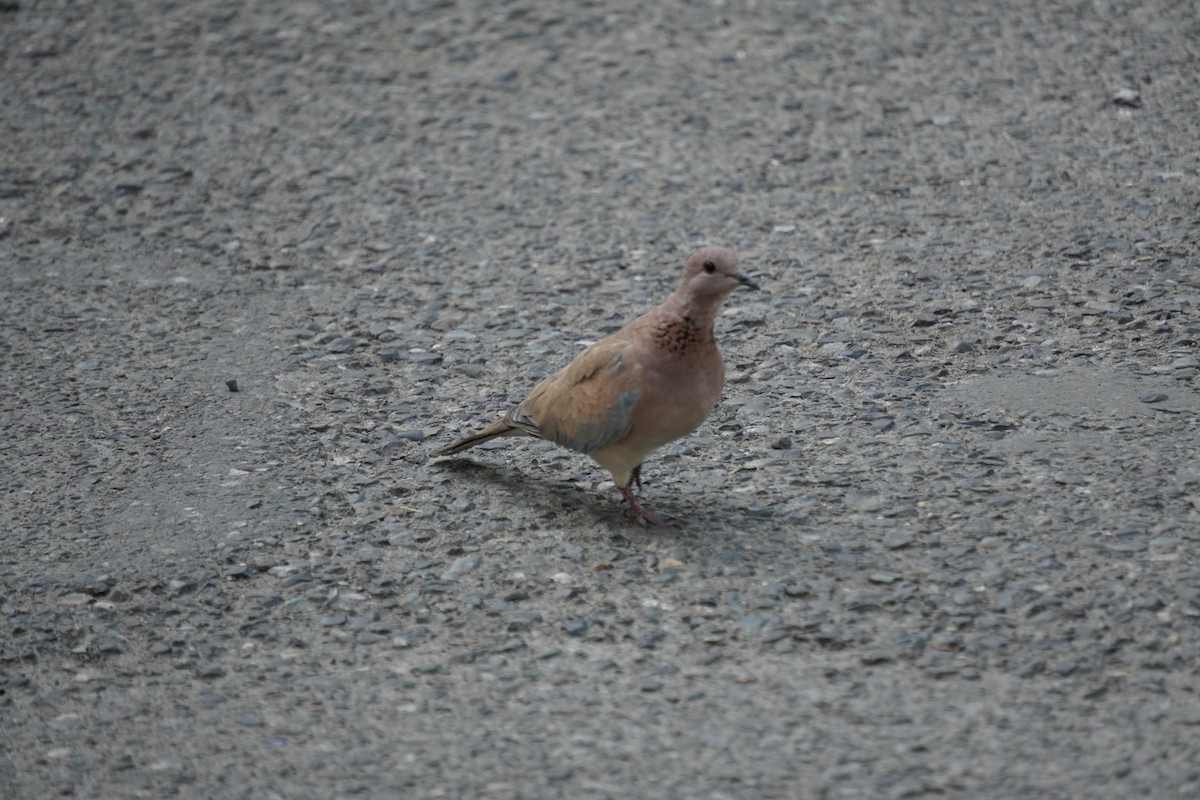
(939, 539)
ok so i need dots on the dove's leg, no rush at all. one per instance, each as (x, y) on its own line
(638, 512)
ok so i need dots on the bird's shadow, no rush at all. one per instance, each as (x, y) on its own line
(563, 499)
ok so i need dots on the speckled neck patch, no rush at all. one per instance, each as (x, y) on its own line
(680, 335)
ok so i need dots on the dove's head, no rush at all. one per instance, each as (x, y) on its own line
(713, 272)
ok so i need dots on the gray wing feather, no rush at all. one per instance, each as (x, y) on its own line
(592, 435)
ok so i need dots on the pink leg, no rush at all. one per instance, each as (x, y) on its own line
(639, 512)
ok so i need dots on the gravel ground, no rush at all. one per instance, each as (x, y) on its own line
(938, 539)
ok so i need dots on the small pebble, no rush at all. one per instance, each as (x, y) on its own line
(1129, 98)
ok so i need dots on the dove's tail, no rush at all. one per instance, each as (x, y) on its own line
(501, 427)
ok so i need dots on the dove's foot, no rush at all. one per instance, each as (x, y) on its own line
(640, 513)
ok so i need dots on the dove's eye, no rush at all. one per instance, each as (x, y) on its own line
(710, 267)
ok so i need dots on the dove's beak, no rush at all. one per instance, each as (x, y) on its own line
(746, 280)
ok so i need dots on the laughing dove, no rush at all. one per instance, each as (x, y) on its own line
(638, 389)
